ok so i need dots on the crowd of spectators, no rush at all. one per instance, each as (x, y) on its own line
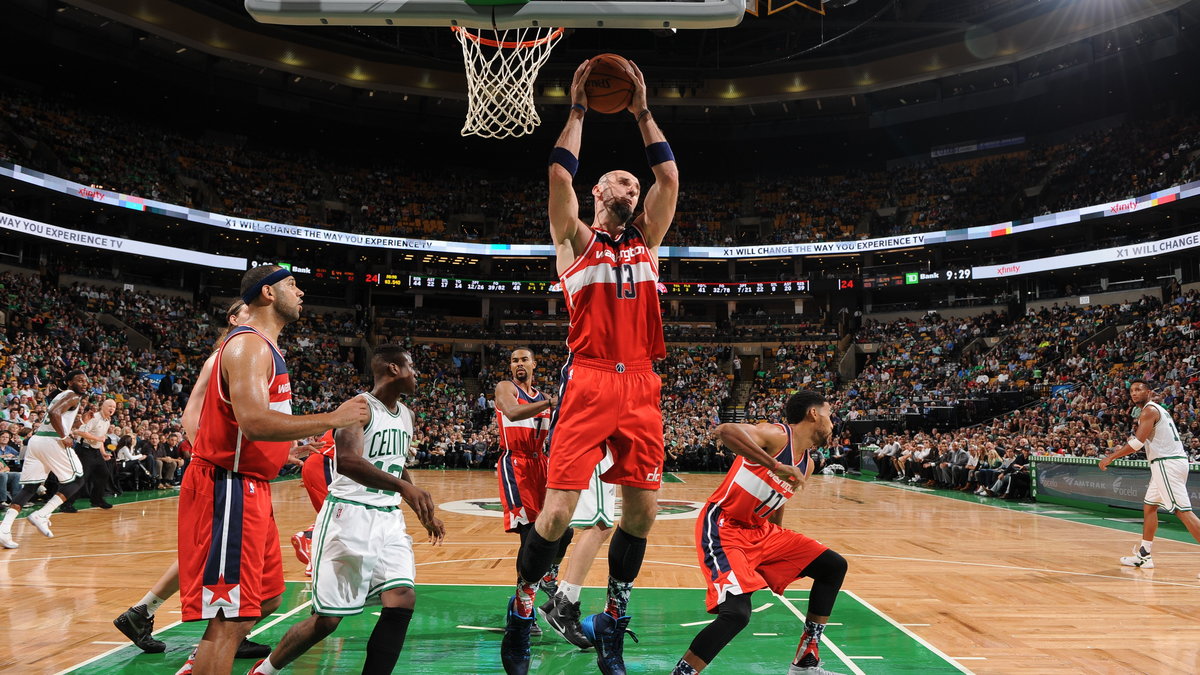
(239, 176)
(1080, 357)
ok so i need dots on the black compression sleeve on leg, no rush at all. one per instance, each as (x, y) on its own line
(383, 649)
(625, 555)
(25, 495)
(563, 543)
(827, 572)
(537, 554)
(732, 617)
(68, 490)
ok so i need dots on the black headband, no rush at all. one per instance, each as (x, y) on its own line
(270, 280)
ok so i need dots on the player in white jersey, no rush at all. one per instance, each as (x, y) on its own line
(50, 452)
(1157, 435)
(361, 548)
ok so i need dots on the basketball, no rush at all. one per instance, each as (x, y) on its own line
(609, 89)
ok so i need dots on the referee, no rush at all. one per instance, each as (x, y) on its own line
(92, 454)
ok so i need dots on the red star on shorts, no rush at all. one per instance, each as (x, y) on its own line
(220, 591)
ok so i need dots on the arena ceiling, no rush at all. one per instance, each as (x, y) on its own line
(788, 52)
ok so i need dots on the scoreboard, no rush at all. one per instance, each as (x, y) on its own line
(870, 281)
(418, 282)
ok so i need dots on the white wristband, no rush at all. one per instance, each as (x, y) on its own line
(1135, 443)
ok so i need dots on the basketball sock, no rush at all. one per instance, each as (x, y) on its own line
(1146, 546)
(570, 591)
(51, 504)
(625, 555)
(151, 602)
(812, 632)
(10, 515)
(684, 668)
(550, 581)
(618, 597)
(265, 668)
(526, 593)
(387, 639)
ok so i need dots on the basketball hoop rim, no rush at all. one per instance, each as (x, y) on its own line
(504, 44)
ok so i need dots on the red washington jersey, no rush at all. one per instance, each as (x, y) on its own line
(220, 441)
(527, 436)
(611, 293)
(751, 493)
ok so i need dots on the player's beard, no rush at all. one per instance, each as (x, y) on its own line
(620, 210)
(288, 313)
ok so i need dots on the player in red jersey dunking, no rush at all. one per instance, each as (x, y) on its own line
(741, 544)
(609, 393)
(230, 567)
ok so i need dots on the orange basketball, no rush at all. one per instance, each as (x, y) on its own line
(608, 87)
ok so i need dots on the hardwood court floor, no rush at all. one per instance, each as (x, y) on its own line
(990, 590)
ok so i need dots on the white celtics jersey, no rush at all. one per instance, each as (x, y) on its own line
(386, 441)
(68, 417)
(1164, 442)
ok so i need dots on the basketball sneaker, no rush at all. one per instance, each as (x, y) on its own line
(1140, 558)
(607, 635)
(138, 626)
(42, 523)
(252, 650)
(7, 541)
(809, 662)
(254, 670)
(514, 648)
(302, 545)
(563, 616)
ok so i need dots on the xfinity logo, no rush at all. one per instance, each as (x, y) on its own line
(1123, 207)
(1007, 269)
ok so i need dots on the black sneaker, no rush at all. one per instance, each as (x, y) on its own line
(68, 508)
(138, 626)
(252, 650)
(514, 648)
(608, 637)
(563, 617)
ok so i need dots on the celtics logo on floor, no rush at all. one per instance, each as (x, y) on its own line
(668, 509)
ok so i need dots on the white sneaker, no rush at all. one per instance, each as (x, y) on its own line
(42, 523)
(1138, 560)
(7, 541)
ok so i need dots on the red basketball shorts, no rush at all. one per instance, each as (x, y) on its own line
(604, 403)
(229, 559)
(316, 475)
(741, 560)
(522, 478)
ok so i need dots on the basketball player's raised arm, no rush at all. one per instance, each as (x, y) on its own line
(191, 412)
(1143, 432)
(759, 444)
(663, 195)
(506, 403)
(247, 365)
(568, 233)
(348, 442)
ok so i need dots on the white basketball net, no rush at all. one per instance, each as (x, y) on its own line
(501, 69)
